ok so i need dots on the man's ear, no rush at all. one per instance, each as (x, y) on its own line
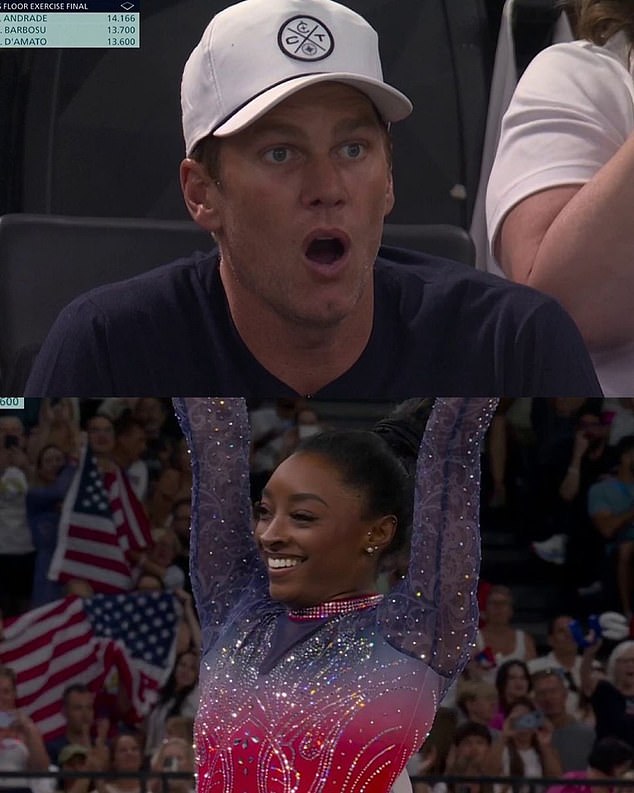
(201, 195)
(389, 194)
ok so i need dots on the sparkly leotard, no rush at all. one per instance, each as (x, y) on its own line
(323, 701)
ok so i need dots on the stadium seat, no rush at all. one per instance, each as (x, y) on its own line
(47, 260)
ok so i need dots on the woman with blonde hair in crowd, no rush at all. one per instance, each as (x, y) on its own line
(561, 191)
(174, 755)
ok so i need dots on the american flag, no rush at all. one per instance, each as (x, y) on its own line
(72, 640)
(101, 522)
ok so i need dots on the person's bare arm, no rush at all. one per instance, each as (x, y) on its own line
(569, 487)
(38, 756)
(577, 243)
(531, 650)
(588, 679)
(609, 524)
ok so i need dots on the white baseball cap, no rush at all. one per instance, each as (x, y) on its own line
(256, 53)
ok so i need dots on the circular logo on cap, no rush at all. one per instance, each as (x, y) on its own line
(305, 39)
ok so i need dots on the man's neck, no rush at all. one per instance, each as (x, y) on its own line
(80, 736)
(304, 357)
(566, 658)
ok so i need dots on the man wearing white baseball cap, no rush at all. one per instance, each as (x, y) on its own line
(286, 121)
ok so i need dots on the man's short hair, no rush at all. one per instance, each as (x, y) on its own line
(74, 688)
(468, 690)
(608, 754)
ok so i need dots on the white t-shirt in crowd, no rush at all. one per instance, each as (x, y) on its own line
(571, 112)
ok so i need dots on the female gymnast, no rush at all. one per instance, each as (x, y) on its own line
(311, 681)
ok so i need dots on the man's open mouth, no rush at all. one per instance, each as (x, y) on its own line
(323, 248)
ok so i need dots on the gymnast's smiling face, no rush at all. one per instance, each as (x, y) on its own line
(313, 532)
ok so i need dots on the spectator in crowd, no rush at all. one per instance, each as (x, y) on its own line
(610, 758)
(622, 419)
(21, 745)
(57, 425)
(79, 714)
(561, 187)
(100, 432)
(174, 754)
(149, 582)
(305, 424)
(471, 740)
(568, 469)
(431, 758)
(125, 757)
(611, 508)
(180, 523)
(477, 701)
(564, 656)
(173, 485)
(572, 739)
(467, 757)
(44, 499)
(498, 635)
(296, 298)
(17, 554)
(180, 727)
(129, 447)
(525, 747)
(160, 559)
(74, 759)
(152, 414)
(512, 682)
(77, 757)
(611, 696)
(269, 425)
(188, 638)
(178, 697)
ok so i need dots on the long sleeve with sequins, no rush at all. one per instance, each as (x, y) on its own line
(433, 613)
(224, 559)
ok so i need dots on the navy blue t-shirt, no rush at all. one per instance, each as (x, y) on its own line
(440, 328)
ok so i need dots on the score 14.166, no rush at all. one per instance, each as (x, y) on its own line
(122, 17)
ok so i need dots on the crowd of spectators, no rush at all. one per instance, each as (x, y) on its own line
(556, 473)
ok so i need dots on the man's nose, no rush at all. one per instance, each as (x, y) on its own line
(324, 183)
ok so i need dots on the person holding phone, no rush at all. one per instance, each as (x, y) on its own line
(525, 747)
(174, 755)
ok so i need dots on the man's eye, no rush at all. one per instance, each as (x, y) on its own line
(279, 154)
(353, 150)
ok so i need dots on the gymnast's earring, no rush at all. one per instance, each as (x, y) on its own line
(371, 548)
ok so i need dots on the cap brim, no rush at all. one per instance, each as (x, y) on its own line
(391, 104)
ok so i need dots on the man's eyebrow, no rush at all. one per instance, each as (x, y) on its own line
(346, 126)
